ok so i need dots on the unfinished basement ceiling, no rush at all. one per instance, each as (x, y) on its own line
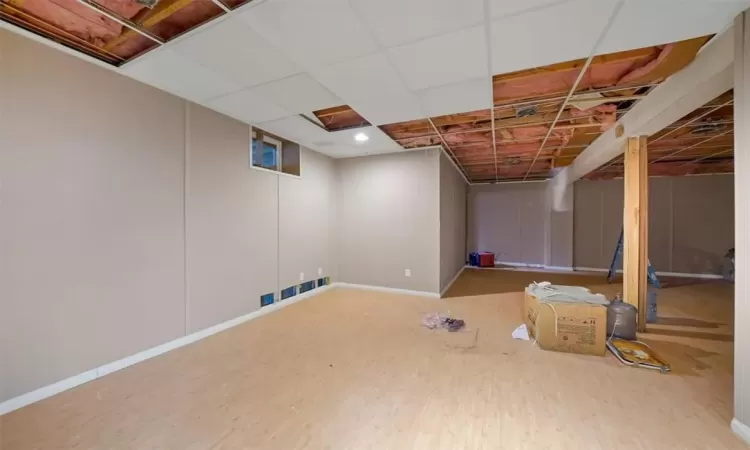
(114, 31)
(700, 143)
(531, 105)
(408, 73)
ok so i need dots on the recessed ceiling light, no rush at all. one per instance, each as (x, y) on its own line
(361, 137)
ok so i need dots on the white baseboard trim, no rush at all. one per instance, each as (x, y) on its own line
(388, 290)
(517, 264)
(707, 276)
(453, 280)
(77, 380)
(741, 430)
(526, 266)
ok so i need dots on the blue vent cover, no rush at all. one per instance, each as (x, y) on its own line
(307, 286)
(266, 300)
(291, 291)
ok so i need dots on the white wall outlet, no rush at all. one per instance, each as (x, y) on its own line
(407, 272)
(320, 271)
(302, 276)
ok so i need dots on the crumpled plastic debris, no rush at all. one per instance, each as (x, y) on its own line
(436, 320)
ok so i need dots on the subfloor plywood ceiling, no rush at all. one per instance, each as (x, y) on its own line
(488, 80)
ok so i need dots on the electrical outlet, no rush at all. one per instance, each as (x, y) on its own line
(320, 271)
(302, 276)
(407, 272)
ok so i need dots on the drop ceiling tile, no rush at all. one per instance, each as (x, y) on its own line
(295, 128)
(385, 109)
(365, 78)
(298, 94)
(167, 70)
(313, 33)
(379, 141)
(234, 50)
(444, 59)
(663, 21)
(454, 98)
(505, 8)
(338, 144)
(248, 107)
(548, 36)
(341, 144)
(397, 22)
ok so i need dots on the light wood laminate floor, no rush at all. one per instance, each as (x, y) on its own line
(353, 369)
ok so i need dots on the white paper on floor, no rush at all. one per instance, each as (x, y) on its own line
(521, 333)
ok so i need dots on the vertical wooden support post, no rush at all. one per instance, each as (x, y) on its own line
(635, 226)
(741, 420)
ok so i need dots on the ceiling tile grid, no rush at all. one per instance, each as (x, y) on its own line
(235, 51)
(395, 61)
(371, 86)
(458, 97)
(249, 107)
(417, 19)
(298, 94)
(172, 72)
(314, 33)
(295, 128)
(505, 8)
(561, 32)
(444, 59)
(685, 18)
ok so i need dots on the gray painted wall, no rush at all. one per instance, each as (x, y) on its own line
(691, 222)
(509, 220)
(453, 191)
(388, 220)
(111, 192)
(559, 244)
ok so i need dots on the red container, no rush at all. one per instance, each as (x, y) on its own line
(486, 259)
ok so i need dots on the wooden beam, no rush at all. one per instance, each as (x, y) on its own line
(635, 227)
(147, 18)
(704, 79)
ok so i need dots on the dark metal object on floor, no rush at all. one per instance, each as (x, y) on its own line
(621, 319)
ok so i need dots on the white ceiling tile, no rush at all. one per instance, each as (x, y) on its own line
(174, 73)
(664, 21)
(341, 144)
(504, 8)
(384, 110)
(248, 107)
(378, 139)
(551, 35)
(234, 50)
(444, 59)
(295, 128)
(454, 98)
(397, 22)
(298, 94)
(364, 78)
(312, 32)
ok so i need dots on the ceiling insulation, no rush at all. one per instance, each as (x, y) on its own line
(340, 118)
(526, 104)
(114, 31)
(702, 142)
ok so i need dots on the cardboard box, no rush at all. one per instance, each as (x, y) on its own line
(581, 327)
